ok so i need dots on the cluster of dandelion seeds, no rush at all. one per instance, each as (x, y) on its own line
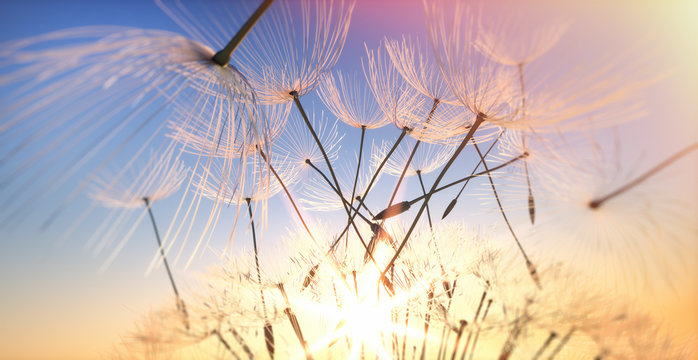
(478, 228)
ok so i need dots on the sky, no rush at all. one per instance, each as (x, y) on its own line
(56, 303)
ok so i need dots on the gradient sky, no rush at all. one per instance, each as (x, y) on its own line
(55, 304)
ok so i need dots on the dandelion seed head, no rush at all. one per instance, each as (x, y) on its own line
(297, 145)
(199, 137)
(155, 179)
(349, 99)
(287, 52)
(516, 39)
(410, 59)
(616, 243)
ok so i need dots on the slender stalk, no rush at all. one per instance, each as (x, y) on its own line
(356, 177)
(424, 192)
(414, 151)
(477, 314)
(224, 343)
(365, 207)
(545, 345)
(405, 205)
(404, 334)
(297, 101)
(334, 189)
(268, 330)
(463, 324)
(531, 199)
(452, 204)
(294, 322)
(441, 342)
(180, 303)
(479, 328)
(531, 268)
(369, 253)
(240, 340)
(596, 203)
(427, 319)
(288, 194)
(510, 343)
(375, 175)
(478, 121)
(562, 343)
(222, 57)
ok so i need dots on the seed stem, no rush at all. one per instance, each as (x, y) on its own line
(222, 57)
(288, 194)
(424, 192)
(376, 173)
(406, 204)
(545, 345)
(356, 177)
(294, 322)
(477, 314)
(180, 303)
(297, 101)
(453, 202)
(414, 151)
(531, 268)
(562, 343)
(478, 121)
(479, 328)
(596, 203)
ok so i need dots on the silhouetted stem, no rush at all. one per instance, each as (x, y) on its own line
(531, 268)
(510, 344)
(441, 342)
(404, 335)
(288, 194)
(414, 151)
(294, 322)
(545, 345)
(405, 205)
(297, 101)
(531, 200)
(463, 323)
(562, 343)
(180, 303)
(594, 204)
(478, 121)
(477, 314)
(256, 259)
(240, 340)
(479, 328)
(453, 202)
(224, 343)
(329, 183)
(364, 206)
(356, 177)
(367, 247)
(375, 175)
(427, 319)
(424, 192)
(222, 57)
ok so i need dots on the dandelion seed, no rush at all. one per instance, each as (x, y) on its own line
(286, 52)
(128, 81)
(349, 100)
(158, 179)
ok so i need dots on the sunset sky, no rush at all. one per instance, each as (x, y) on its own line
(56, 304)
